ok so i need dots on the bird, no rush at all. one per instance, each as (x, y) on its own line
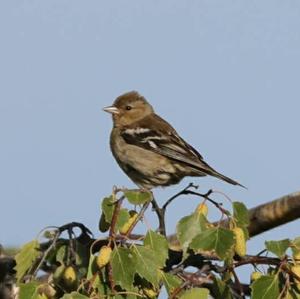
(149, 150)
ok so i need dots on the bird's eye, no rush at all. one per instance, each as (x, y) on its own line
(128, 107)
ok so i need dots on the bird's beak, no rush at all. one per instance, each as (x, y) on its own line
(111, 109)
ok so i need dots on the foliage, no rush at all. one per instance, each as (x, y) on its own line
(123, 265)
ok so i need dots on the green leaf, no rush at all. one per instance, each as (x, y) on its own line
(158, 244)
(195, 293)
(31, 290)
(122, 263)
(74, 295)
(82, 257)
(240, 214)
(49, 234)
(92, 268)
(188, 227)
(278, 247)
(61, 254)
(296, 243)
(27, 290)
(221, 240)
(103, 224)
(108, 206)
(292, 294)
(123, 218)
(138, 197)
(220, 289)
(266, 287)
(58, 273)
(124, 296)
(101, 284)
(26, 258)
(147, 263)
(170, 281)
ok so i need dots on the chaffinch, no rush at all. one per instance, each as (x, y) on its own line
(148, 149)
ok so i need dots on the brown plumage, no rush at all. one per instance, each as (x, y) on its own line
(148, 149)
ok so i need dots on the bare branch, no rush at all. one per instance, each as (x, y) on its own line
(160, 212)
(275, 213)
(182, 192)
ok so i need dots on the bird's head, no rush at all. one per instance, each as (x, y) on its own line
(129, 108)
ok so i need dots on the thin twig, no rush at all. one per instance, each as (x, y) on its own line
(285, 287)
(111, 278)
(257, 260)
(130, 293)
(138, 218)
(187, 190)
(83, 228)
(71, 250)
(161, 212)
(179, 289)
(182, 192)
(238, 283)
(115, 218)
(46, 252)
(191, 279)
(206, 196)
(161, 217)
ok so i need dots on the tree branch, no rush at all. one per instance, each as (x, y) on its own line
(266, 216)
(274, 213)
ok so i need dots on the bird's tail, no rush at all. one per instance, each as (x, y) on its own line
(225, 178)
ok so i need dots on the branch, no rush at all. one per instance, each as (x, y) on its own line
(266, 216)
(138, 218)
(274, 213)
(116, 212)
(160, 212)
(182, 192)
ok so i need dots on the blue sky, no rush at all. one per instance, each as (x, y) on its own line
(224, 73)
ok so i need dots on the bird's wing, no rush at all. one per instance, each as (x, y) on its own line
(158, 136)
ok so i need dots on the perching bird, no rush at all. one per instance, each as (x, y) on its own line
(148, 149)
